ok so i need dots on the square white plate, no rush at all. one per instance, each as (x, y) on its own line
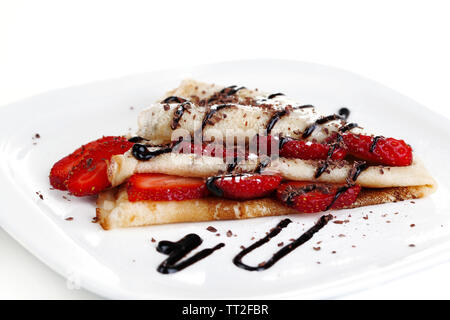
(122, 263)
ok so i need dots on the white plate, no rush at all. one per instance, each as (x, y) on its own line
(122, 263)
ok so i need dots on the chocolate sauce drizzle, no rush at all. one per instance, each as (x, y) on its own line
(283, 251)
(141, 152)
(359, 166)
(339, 192)
(374, 143)
(348, 127)
(175, 99)
(262, 164)
(274, 119)
(228, 91)
(178, 113)
(321, 169)
(273, 95)
(232, 166)
(211, 112)
(344, 113)
(136, 139)
(305, 106)
(231, 90)
(310, 129)
(289, 199)
(212, 187)
(177, 250)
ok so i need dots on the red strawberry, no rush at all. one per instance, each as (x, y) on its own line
(89, 176)
(299, 149)
(211, 149)
(162, 187)
(309, 197)
(242, 187)
(61, 169)
(307, 150)
(264, 145)
(380, 150)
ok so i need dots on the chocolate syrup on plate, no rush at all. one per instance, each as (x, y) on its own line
(177, 250)
(283, 251)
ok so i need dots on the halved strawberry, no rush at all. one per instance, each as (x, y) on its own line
(89, 175)
(380, 150)
(61, 169)
(308, 150)
(300, 149)
(161, 187)
(307, 197)
(207, 149)
(244, 186)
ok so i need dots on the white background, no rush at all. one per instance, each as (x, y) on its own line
(46, 45)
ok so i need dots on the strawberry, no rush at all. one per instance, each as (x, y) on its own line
(307, 150)
(380, 150)
(61, 169)
(242, 187)
(211, 149)
(162, 187)
(89, 175)
(309, 197)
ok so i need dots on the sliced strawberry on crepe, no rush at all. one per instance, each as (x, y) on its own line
(163, 187)
(61, 169)
(379, 150)
(309, 197)
(242, 187)
(89, 175)
(299, 149)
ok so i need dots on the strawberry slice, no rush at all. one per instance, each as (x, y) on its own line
(300, 149)
(162, 187)
(379, 150)
(89, 175)
(61, 169)
(309, 198)
(242, 187)
(307, 150)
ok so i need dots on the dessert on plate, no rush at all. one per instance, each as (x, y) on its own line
(206, 152)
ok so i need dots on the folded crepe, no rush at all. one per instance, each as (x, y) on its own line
(213, 113)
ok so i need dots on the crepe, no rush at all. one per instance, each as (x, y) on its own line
(115, 211)
(209, 111)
